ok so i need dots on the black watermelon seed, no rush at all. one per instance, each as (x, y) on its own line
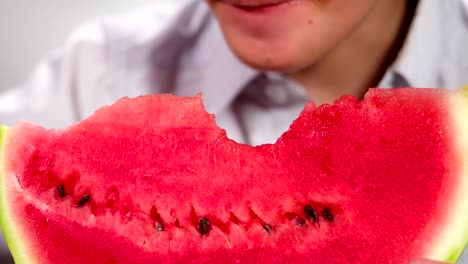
(310, 213)
(268, 228)
(327, 214)
(61, 191)
(204, 226)
(84, 200)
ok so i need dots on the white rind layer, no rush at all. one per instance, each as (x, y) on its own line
(455, 236)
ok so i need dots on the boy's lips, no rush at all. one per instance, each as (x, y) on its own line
(261, 17)
(255, 4)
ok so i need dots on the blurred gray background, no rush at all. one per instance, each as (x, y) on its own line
(32, 28)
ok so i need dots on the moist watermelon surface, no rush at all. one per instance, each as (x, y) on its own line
(153, 179)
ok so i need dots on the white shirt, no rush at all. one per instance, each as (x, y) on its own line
(176, 47)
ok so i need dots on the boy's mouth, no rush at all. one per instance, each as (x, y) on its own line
(253, 5)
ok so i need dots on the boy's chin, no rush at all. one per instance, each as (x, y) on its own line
(271, 58)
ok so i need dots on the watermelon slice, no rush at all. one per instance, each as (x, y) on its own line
(154, 180)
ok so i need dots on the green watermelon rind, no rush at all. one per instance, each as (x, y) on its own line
(11, 236)
(459, 246)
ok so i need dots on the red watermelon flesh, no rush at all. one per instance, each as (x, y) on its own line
(154, 180)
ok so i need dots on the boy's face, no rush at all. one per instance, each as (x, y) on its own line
(288, 35)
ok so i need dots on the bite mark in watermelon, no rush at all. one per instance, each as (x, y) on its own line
(154, 180)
